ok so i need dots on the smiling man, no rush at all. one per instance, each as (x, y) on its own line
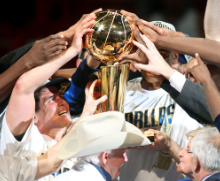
(101, 141)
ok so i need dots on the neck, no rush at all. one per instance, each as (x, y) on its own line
(56, 133)
(150, 86)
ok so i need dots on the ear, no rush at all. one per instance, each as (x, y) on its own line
(35, 119)
(196, 165)
(176, 56)
(104, 158)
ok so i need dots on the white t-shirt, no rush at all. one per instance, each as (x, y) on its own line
(33, 143)
(157, 110)
(17, 168)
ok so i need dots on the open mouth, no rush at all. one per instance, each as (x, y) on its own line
(62, 113)
(181, 163)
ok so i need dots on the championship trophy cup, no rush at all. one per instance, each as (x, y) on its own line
(112, 38)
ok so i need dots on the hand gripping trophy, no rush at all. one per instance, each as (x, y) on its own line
(112, 38)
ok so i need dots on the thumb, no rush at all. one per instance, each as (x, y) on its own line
(101, 99)
(140, 66)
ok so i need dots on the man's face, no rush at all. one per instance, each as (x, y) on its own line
(53, 112)
(115, 161)
(185, 160)
(168, 57)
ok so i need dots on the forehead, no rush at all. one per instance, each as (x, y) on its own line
(48, 90)
(119, 151)
(189, 143)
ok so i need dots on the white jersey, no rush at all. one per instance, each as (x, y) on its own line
(33, 143)
(157, 110)
(17, 168)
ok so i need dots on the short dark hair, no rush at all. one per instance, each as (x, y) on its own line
(37, 101)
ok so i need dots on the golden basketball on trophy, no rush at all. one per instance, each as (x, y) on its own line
(112, 38)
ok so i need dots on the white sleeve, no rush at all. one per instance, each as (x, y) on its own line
(9, 141)
(177, 81)
(18, 168)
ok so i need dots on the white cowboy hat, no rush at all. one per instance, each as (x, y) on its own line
(99, 133)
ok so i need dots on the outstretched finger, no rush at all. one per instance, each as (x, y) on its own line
(141, 66)
(56, 48)
(101, 99)
(142, 48)
(200, 62)
(137, 33)
(97, 10)
(148, 43)
(133, 16)
(88, 24)
(127, 58)
(52, 37)
(153, 27)
(55, 43)
(88, 17)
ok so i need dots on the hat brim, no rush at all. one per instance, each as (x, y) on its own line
(62, 84)
(130, 136)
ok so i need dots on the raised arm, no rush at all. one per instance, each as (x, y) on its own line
(211, 21)
(19, 61)
(21, 105)
(207, 49)
(35, 54)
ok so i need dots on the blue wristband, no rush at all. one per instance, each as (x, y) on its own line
(186, 35)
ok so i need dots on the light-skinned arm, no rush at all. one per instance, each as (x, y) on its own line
(22, 105)
(211, 20)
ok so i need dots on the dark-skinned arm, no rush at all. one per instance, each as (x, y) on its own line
(207, 49)
(33, 56)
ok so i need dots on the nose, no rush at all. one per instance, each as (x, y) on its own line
(60, 101)
(181, 153)
(125, 157)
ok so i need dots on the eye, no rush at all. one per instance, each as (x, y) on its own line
(51, 99)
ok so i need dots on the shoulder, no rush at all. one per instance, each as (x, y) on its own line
(215, 177)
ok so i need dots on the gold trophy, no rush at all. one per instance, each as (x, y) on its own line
(112, 38)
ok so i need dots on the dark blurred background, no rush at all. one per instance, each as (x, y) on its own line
(25, 21)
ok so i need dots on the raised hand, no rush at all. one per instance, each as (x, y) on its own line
(133, 18)
(82, 28)
(138, 56)
(162, 142)
(163, 31)
(199, 72)
(91, 102)
(156, 64)
(69, 33)
(44, 50)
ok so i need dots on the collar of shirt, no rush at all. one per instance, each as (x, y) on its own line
(105, 174)
(207, 177)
